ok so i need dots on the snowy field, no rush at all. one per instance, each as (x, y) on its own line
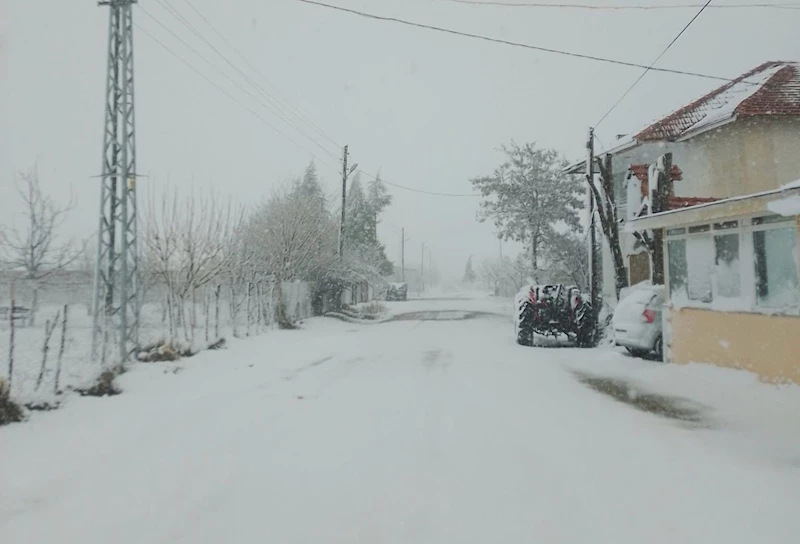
(79, 369)
(435, 430)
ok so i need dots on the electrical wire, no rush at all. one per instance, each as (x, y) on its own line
(649, 68)
(279, 98)
(619, 7)
(183, 20)
(231, 96)
(422, 191)
(511, 43)
(273, 127)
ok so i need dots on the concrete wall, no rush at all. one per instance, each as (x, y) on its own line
(765, 344)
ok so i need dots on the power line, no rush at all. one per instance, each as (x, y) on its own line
(619, 7)
(231, 96)
(273, 127)
(288, 105)
(422, 191)
(511, 43)
(183, 20)
(658, 58)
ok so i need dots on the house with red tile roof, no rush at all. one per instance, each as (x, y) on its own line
(741, 138)
(731, 230)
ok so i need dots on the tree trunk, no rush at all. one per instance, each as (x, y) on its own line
(534, 256)
(280, 309)
(34, 305)
(607, 211)
(660, 204)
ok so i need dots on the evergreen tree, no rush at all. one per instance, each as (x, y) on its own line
(310, 186)
(469, 274)
(378, 199)
(360, 232)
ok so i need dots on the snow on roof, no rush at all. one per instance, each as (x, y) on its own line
(770, 89)
(787, 207)
(792, 185)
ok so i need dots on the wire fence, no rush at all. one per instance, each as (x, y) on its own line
(46, 328)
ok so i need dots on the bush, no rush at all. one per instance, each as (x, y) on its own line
(374, 308)
(104, 386)
(10, 411)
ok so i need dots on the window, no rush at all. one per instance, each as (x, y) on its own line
(677, 265)
(621, 195)
(700, 261)
(776, 267)
(726, 256)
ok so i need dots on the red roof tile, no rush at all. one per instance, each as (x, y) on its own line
(770, 89)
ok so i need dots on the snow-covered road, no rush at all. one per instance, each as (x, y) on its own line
(409, 431)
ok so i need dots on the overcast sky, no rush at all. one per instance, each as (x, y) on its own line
(428, 109)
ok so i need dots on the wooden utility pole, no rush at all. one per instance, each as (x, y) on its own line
(594, 288)
(403, 254)
(344, 202)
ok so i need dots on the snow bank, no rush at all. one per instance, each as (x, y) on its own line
(792, 185)
(788, 206)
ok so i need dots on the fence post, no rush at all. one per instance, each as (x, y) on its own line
(11, 340)
(48, 332)
(216, 312)
(61, 350)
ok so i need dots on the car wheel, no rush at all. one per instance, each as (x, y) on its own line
(635, 352)
(658, 349)
(525, 337)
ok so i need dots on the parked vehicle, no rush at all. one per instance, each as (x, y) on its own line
(397, 291)
(554, 310)
(637, 321)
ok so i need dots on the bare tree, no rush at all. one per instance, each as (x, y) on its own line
(189, 242)
(33, 247)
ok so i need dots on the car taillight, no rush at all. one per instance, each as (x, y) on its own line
(649, 315)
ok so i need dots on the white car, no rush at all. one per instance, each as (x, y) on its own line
(637, 321)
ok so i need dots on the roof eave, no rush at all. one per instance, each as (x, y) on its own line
(580, 167)
(703, 212)
(691, 133)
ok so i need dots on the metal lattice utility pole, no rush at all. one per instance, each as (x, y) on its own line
(345, 173)
(115, 300)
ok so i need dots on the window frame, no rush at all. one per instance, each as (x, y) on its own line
(744, 229)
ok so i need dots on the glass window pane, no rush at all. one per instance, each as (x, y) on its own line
(700, 261)
(727, 262)
(771, 219)
(677, 265)
(776, 268)
(699, 228)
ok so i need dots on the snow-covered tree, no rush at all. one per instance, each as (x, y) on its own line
(469, 273)
(567, 260)
(360, 233)
(528, 196)
(292, 240)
